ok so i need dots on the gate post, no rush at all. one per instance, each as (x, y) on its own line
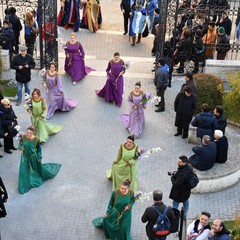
(47, 15)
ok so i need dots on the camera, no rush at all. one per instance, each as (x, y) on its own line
(169, 174)
(172, 174)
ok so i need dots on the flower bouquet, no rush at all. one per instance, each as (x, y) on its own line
(146, 153)
(147, 98)
(42, 72)
(63, 44)
(28, 104)
(123, 69)
(141, 196)
(19, 136)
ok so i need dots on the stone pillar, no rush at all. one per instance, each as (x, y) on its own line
(4, 55)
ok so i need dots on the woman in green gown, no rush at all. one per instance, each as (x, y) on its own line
(126, 165)
(118, 218)
(38, 110)
(32, 173)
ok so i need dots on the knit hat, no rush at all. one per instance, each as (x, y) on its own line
(221, 30)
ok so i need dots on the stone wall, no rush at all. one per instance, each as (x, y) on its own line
(222, 68)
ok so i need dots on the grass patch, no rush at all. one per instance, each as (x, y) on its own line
(7, 91)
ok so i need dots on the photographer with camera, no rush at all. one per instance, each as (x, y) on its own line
(180, 192)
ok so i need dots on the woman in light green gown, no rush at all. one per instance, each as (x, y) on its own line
(126, 165)
(38, 111)
(32, 173)
(118, 218)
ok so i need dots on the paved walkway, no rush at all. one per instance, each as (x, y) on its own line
(64, 207)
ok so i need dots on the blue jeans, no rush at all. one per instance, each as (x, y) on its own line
(151, 18)
(185, 206)
(19, 90)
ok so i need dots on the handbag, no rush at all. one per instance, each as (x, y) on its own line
(12, 132)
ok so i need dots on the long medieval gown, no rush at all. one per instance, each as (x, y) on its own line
(134, 120)
(125, 166)
(69, 16)
(116, 227)
(113, 90)
(32, 173)
(92, 16)
(42, 129)
(74, 61)
(54, 95)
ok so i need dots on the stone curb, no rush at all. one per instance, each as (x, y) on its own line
(217, 184)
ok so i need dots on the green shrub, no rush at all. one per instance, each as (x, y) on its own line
(7, 91)
(209, 90)
(231, 99)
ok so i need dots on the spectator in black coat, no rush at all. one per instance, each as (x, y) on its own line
(161, 81)
(168, 56)
(8, 117)
(189, 82)
(16, 27)
(221, 142)
(204, 155)
(184, 106)
(126, 9)
(150, 215)
(221, 120)
(180, 192)
(205, 122)
(155, 31)
(22, 63)
(223, 45)
(225, 22)
(3, 199)
(8, 36)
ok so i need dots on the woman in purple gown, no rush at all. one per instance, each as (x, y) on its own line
(113, 89)
(74, 61)
(135, 119)
(54, 94)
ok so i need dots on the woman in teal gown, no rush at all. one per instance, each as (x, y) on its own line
(38, 110)
(32, 173)
(118, 217)
(126, 165)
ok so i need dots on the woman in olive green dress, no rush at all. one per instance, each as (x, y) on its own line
(126, 165)
(38, 110)
(118, 217)
(32, 173)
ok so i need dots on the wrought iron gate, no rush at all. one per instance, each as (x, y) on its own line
(186, 12)
(47, 20)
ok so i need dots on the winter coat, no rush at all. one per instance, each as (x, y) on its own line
(209, 39)
(9, 36)
(227, 24)
(222, 122)
(190, 83)
(179, 191)
(184, 107)
(184, 46)
(16, 24)
(206, 123)
(204, 157)
(197, 46)
(222, 150)
(23, 75)
(223, 44)
(162, 77)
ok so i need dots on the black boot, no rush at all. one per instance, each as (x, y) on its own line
(133, 41)
(139, 39)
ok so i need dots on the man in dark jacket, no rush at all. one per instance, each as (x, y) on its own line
(204, 155)
(184, 106)
(205, 122)
(126, 9)
(221, 142)
(219, 231)
(225, 22)
(161, 81)
(22, 63)
(223, 45)
(16, 27)
(189, 82)
(150, 215)
(221, 120)
(180, 192)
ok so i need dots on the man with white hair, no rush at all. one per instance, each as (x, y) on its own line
(221, 142)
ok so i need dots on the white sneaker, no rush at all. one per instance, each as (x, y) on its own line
(74, 83)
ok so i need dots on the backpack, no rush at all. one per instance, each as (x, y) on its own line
(193, 180)
(162, 225)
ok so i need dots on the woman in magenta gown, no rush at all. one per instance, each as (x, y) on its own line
(74, 61)
(113, 89)
(134, 120)
(54, 93)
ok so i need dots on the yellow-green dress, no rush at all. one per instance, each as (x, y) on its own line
(32, 173)
(125, 166)
(117, 224)
(42, 129)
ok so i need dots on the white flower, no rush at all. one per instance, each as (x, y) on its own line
(42, 72)
(150, 151)
(141, 196)
(17, 127)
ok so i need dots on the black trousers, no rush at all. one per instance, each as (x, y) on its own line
(8, 143)
(160, 93)
(125, 21)
(30, 41)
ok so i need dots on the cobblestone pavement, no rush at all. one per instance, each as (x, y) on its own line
(63, 208)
